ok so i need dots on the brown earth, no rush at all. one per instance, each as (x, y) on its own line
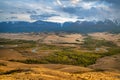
(107, 36)
(7, 54)
(45, 38)
(52, 72)
(108, 63)
(106, 68)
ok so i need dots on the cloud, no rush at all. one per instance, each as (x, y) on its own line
(70, 10)
(42, 17)
(31, 12)
(75, 1)
(116, 3)
(88, 5)
(59, 10)
(1, 11)
(13, 17)
(61, 19)
(58, 1)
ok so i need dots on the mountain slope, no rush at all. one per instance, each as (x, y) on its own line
(76, 27)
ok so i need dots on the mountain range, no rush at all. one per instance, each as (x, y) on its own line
(74, 27)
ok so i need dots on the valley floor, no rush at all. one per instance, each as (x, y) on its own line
(63, 56)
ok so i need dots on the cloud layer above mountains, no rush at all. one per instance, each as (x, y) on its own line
(59, 10)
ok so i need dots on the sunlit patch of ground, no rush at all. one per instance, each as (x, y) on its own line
(15, 71)
(7, 54)
(108, 63)
(107, 36)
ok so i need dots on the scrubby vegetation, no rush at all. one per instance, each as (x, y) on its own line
(48, 47)
(17, 44)
(9, 41)
(91, 43)
(77, 57)
(70, 57)
(112, 51)
(66, 55)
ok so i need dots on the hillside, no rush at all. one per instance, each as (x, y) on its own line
(15, 71)
(59, 56)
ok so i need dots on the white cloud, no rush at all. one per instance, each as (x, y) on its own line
(88, 5)
(61, 19)
(75, 1)
(24, 17)
(20, 17)
(58, 7)
(58, 1)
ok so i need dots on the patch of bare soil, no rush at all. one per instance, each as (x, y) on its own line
(45, 38)
(107, 36)
(67, 68)
(21, 36)
(108, 63)
(7, 54)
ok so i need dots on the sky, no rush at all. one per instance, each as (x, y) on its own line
(59, 10)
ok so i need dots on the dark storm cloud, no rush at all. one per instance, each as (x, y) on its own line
(70, 10)
(31, 12)
(42, 17)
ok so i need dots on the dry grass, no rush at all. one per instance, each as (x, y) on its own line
(45, 38)
(7, 54)
(21, 71)
(107, 36)
(108, 63)
(52, 72)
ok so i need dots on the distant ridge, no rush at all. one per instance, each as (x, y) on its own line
(74, 27)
